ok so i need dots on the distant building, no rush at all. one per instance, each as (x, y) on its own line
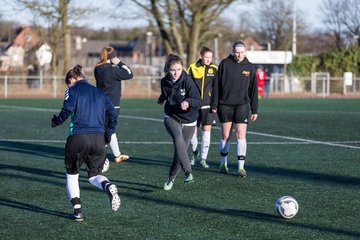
(13, 55)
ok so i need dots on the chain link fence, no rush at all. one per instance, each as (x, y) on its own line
(316, 85)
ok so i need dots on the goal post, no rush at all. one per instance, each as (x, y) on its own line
(320, 83)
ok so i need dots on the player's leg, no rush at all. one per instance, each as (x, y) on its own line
(207, 121)
(95, 162)
(225, 114)
(241, 121)
(194, 147)
(74, 152)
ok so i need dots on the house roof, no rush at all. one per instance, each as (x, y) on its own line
(26, 38)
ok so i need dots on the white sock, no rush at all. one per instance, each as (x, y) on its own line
(224, 149)
(194, 143)
(241, 152)
(114, 145)
(72, 186)
(97, 180)
(205, 144)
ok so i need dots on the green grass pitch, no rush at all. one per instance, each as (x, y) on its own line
(305, 148)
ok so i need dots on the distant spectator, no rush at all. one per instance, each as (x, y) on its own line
(266, 84)
(260, 77)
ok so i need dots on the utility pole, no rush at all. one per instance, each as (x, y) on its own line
(294, 29)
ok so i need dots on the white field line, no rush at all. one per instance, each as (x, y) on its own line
(294, 139)
(170, 143)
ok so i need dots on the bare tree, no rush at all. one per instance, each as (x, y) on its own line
(342, 18)
(275, 22)
(332, 11)
(184, 24)
(350, 16)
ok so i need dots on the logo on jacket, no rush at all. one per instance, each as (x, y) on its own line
(211, 72)
(182, 92)
(246, 73)
(66, 95)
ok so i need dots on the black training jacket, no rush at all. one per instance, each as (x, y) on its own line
(235, 83)
(174, 93)
(108, 78)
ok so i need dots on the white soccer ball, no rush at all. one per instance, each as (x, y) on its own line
(286, 207)
(106, 165)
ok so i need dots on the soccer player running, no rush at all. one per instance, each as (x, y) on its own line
(109, 72)
(88, 107)
(235, 94)
(182, 102)
(203, 72)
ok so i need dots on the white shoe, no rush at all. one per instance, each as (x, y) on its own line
(189, 178)
(204, 164)
(106, 165)
(169, 184)
(115, 201)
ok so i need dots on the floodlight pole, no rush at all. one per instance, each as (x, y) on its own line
(294, 29)
(293, 47)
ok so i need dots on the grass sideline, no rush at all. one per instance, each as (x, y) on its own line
(305, 148)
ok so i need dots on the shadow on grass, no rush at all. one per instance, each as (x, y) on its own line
(271, 218)
(249, 215)
(304, 175)
(33, 208)
(33, 149)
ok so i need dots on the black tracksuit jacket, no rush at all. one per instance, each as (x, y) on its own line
(108, 78)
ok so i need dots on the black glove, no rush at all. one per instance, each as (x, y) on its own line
(53, 122)
(107, 139)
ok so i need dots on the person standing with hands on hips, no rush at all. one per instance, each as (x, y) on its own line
(182, 102)
(88, 107)
(235, 94)
(109, 73)
(203, 72)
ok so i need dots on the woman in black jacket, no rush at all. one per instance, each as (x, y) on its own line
(182, 102)
(109, 73)
(235, 99)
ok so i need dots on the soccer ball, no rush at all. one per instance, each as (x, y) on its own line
(286, 207)
(106, 166)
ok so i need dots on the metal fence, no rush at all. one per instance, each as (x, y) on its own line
(318, 84)
(54, 87)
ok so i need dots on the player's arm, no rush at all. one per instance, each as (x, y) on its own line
(122, 71)
(66, 110)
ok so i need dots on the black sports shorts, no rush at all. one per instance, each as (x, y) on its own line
(88, 148)
(206, 117)
(234, 113)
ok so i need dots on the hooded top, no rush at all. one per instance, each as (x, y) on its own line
(108, 78)
(173, 93)
(235, 83)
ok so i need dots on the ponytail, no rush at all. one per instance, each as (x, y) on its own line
(107, 53)
(75, 72)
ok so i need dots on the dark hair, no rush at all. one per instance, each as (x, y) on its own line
(172, 59)
(106, 54)
(238, 43)
(74, 73)
(204, 49)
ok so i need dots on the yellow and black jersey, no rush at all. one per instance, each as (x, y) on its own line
(203, 76)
